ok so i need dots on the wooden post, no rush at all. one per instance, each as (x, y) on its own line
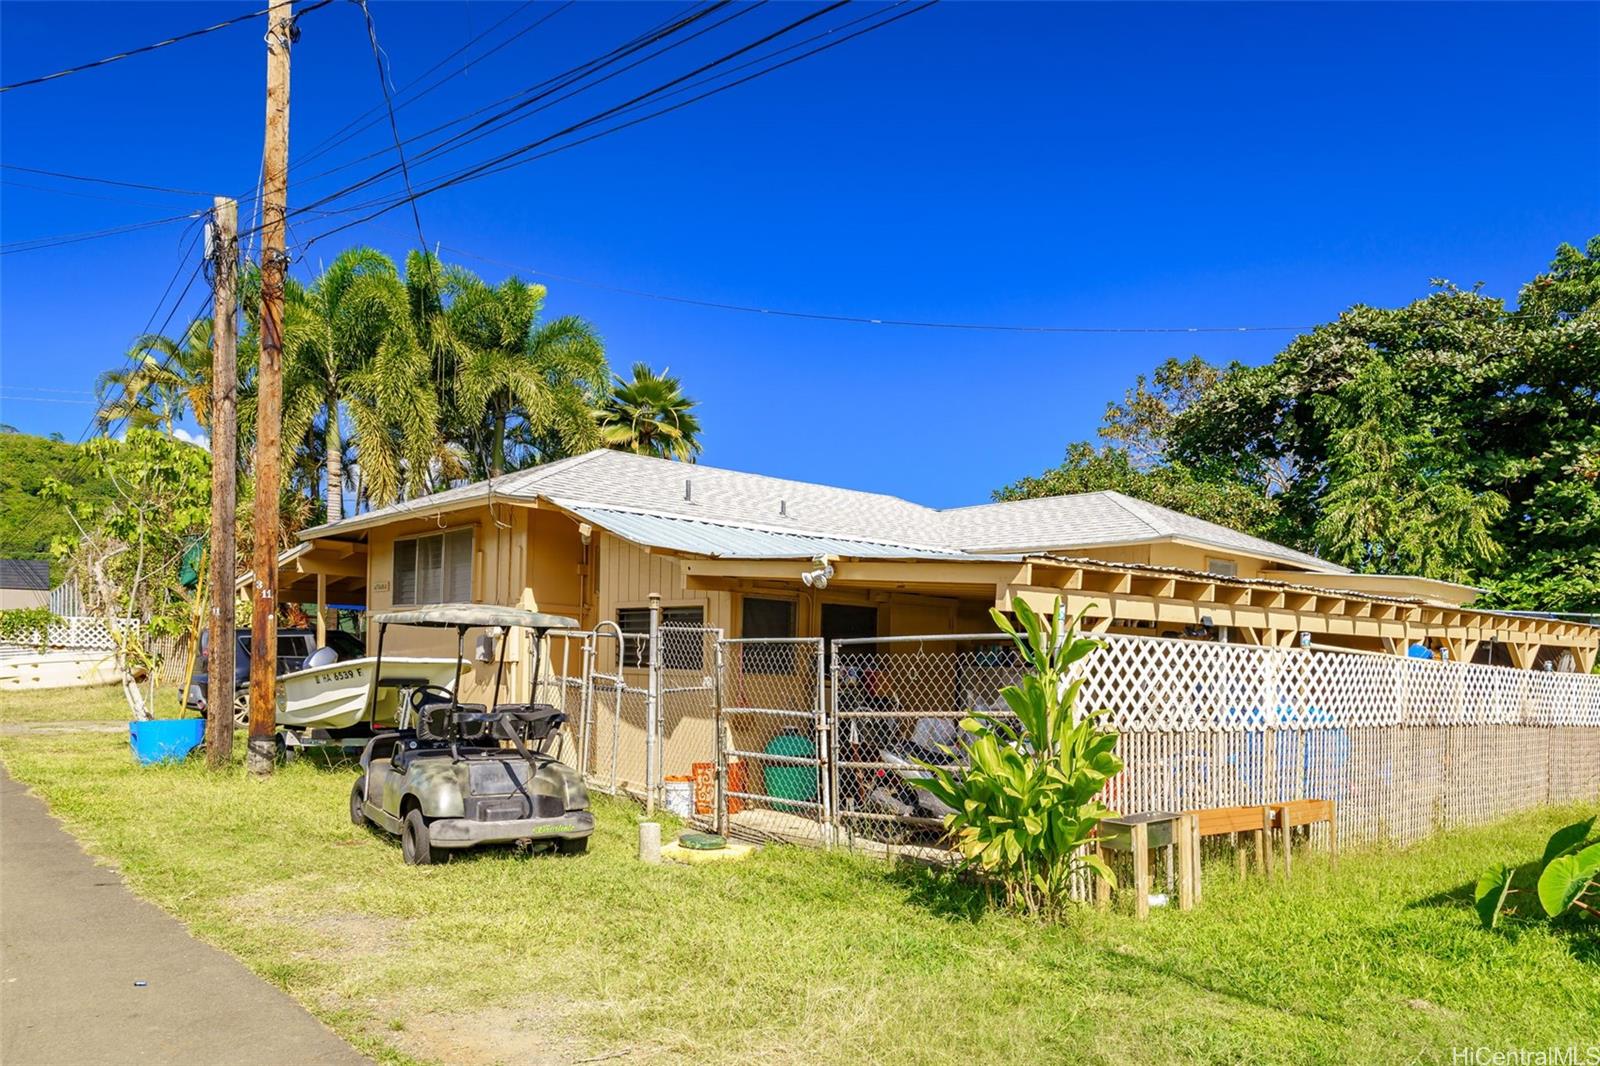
(1141, 868)
(322, 609)
(224, 468)
(1288, 839)
(1183, 841)
(1194, 856)
(1238, 854)
(1264, 844)
(1333, 835)
(269, 408)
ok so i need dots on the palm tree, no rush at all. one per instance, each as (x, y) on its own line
(518, 380)
(650, 415)
(167, 378)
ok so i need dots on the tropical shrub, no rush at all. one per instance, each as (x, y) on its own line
(1025, 798)
(1567, 872)
(27, 625)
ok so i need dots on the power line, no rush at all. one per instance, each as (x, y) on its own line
(529, 96)
(863, 319)
(101, 181)
(152, 47)
(55, 241)
(499, 162)
(340, 136)
(394, 127)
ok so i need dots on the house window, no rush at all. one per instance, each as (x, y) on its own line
(1222, 567)
(680, 650)
(772, 620)
(434, 569)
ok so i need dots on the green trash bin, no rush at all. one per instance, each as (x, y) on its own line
(787, 782)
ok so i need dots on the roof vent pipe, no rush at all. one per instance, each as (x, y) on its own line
(688, 491)
(783, 508)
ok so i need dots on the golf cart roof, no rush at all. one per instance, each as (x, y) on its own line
(473, 615)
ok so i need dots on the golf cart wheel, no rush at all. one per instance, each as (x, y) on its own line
(358, 795)
(241, 708)
(572, 847)
(414, 846)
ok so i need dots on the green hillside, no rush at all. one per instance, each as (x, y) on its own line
(28, 524)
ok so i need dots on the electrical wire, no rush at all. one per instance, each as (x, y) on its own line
(153, 47)
(351, 129)
(528, 96)
(499, 161)
(862, 319)
(57, 240)
(394, 127)
(101, 181)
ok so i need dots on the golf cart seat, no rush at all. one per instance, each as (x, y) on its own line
(535, 721)
(434, 720)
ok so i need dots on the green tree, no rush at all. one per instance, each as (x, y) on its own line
(167, 378)
(1397, 502)
(126, 552)
(350, 350)
(1506, 399)
(1169, 484)
(517, 379)
(650, 415)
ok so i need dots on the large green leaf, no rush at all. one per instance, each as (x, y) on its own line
(1566, 877)
(1490, 894)
(1566, 839)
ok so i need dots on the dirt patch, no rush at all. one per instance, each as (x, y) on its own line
(496, 1036)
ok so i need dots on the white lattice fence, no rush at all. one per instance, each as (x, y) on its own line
(1404, 746)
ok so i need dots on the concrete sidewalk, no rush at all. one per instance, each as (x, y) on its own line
(74, 942)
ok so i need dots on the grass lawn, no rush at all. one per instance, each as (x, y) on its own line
(803, 956)
(100, 704)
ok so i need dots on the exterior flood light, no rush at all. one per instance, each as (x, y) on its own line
(818, 578)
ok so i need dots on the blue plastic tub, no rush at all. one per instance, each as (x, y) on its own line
(165, 738)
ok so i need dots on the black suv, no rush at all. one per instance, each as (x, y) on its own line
(294, 646)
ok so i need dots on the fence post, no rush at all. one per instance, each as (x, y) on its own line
(586, 706)
(832, 766)
(824, 748)
(652, 706)
(720, 766)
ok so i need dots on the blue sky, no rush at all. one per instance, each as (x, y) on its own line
(1057, 164)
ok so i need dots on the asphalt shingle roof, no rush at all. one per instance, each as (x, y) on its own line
(32, 574)
(695, 500)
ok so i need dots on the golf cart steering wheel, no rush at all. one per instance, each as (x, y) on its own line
(425, 693)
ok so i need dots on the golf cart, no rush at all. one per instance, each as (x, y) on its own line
(445, 778)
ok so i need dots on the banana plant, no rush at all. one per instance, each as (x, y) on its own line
(1025, 797)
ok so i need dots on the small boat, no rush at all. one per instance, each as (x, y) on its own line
(336, 696)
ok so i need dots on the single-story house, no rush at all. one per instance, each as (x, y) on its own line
(24, 583)
(593, 536)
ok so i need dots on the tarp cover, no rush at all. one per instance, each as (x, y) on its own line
(475, 615)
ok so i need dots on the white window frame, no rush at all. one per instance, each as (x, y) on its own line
(417, 598)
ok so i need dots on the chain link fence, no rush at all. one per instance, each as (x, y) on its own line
(772, 755)
(897, 703)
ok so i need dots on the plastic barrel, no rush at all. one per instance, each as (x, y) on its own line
(165, 738)
(787, 782)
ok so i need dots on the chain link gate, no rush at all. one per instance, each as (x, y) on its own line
(772, 750)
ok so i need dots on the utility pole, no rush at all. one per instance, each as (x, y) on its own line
(269, 410)
(224, 463)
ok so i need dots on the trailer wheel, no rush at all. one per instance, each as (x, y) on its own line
(414, 846)
(358, 796)
(572, 847)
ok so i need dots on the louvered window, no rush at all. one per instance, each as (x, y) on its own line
(434, 569)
